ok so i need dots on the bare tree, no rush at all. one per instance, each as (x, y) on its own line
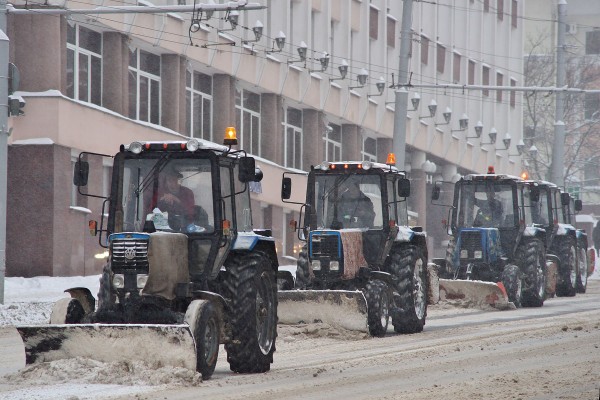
(582, 139)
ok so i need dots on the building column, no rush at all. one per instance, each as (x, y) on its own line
(271, 139)
(351, 142)
(223, 105)
(115, 63)
(173, 92)
(45, 67)
(418, 192)
(384, 147)
(312, 142)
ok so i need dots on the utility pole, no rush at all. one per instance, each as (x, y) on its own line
(4, 132)
(242, 5)
(558, 153)
(401, 100)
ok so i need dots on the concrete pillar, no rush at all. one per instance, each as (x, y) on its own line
(173, 92)
(272, 140)
(418, 192)
(45, 67)
(115, 62)
(351, 142)
(384, 146)
(313, 129)
(223, 105)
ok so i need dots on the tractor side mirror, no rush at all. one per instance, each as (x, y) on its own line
(535, 194)
(435, 192)
(578, 205)
(80, 173)
(247, 169)
(564, 199)
(286, 188)
(403, 187)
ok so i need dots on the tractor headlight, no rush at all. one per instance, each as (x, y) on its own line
(464, 254)
(141, 281)
(366, 165)
(478, 254)
(334, 266)
(316, 265)
(136, 147)
(118, 281)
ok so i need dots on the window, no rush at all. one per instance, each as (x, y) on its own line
(441, 58)
(144, 86)
(373, 22)
(592, 106)
(499, 82)
(198, 105)
(471, 72)
(74, 189)
(485, 79)
(333, 143)
(486, 5)
(513, 94)
(292, 131)
(500, 10)
(391, 32)
(456, 68)
(369, 149)
(84, 64)
(424, 49)
(247, 106)
(513, 15)
(592, 42)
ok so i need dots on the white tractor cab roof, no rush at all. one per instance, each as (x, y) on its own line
(357, 165)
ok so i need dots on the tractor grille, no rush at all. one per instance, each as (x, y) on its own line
(471, 240)
(129, 254)
(325, 246)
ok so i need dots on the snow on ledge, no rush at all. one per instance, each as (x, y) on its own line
(44, 141)
(81, 209)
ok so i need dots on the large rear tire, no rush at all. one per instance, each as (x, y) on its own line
(251, 286)
(407, 263)
(567, 270)
(531, 258)
(203, 320)
(511, 279)
(302, 269)
(583, 265)
(378, 307)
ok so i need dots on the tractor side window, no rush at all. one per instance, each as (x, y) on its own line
(391, 200)
(226, 194)
(242, 205)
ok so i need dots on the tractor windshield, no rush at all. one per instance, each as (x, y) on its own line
(541, 210)
(175, 194)
(348, 201)
(486, 204)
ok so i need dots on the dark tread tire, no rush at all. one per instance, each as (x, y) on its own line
(407, 263)
(567, 270)
(204, 323)
(302, 269)
(251, 288)
(531, 259)
(378, 298)
(583, 265)
(511, 279)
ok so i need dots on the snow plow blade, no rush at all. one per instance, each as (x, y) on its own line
(337, 308)
(475, 293)
(158, 345)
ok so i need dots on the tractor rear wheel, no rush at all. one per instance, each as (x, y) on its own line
(583, 268)
(251, 288)
(531, 258)
(378, 307)
(203, 320)
(567, 270)
(407, 263)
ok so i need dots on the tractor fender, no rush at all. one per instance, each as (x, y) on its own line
(250, 241)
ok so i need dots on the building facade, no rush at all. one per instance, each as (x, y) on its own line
(93, 82)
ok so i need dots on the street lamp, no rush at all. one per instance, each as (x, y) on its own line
(302, 49)
(343, 68)
(447, 117)
(432, 107)
(380, 85)
(279, 42)
(361, 78)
